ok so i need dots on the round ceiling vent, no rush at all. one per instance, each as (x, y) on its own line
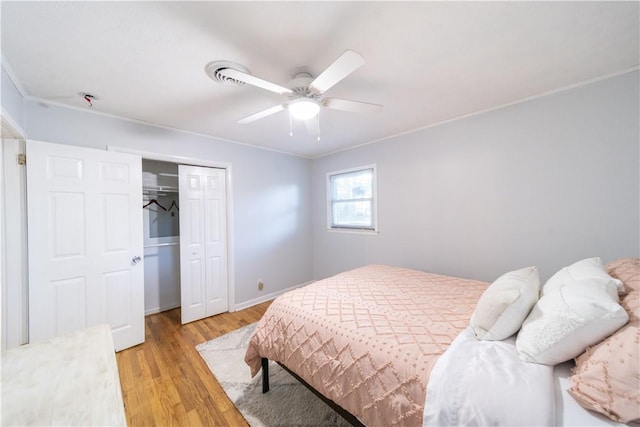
(213, 71)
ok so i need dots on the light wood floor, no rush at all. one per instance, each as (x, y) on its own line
(165, 382)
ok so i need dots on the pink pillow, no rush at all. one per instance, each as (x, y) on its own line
(627, 270)
(606, 378)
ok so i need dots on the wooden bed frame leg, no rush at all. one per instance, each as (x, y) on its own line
(265, 374)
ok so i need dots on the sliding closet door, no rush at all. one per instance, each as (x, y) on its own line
(85, 242)
(203, 242)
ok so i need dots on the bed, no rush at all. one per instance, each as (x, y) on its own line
(367, 341)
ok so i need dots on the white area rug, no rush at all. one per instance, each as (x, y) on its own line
(288, 403)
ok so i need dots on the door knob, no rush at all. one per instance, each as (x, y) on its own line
(136, 259)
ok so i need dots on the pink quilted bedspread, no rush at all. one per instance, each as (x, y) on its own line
(367, 338)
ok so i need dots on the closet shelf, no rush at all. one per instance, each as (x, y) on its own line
(159, 189)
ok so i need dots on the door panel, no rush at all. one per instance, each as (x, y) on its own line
(67, 224)
(213, 226)
(70, 305)
(117, 285)
(116, 209)
(85, 226)
(215, 282)
(216, 247)
(203, 249)
(195, 220)
(195, 285)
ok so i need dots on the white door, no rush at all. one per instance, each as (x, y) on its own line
(203, 242)
(85, 242)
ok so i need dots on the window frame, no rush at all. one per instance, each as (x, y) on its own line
(374, 201)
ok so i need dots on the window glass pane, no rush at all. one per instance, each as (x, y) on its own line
(352, 214)
(352, 185)
(351, 199)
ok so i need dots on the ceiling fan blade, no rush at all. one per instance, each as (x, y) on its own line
(351, 106)
(261, 114)
(346, 64)
(254, 81)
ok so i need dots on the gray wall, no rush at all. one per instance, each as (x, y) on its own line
(544, 182)
(12, 105)
(271, 191)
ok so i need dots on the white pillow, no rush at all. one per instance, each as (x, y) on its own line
(585, 269)
(505, 304)
(568, 319)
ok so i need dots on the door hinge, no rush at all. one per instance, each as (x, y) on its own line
(22, 159)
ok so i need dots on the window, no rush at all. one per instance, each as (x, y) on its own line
(352, 199)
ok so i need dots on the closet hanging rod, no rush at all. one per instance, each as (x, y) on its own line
(157, 245)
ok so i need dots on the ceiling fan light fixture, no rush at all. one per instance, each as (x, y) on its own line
(304, 108)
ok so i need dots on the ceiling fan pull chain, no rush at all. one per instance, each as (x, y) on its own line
(290, 124)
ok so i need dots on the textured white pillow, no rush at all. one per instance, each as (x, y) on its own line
(568, 319)
(584, 269)
(505, 304)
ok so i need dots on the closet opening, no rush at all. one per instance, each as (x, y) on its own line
(185, 212)
(161, 225)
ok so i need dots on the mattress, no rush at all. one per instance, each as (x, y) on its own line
(367, 338)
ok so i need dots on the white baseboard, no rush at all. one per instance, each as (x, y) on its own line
(240, 306)
(166, 307)
(267, 297)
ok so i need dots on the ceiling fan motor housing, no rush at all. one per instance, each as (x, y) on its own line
(300, 86)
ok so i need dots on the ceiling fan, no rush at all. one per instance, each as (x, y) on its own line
(305, 94)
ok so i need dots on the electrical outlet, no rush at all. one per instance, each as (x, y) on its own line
(260, 284)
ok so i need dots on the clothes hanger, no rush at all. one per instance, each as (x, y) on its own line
(154, 202)
(173, 204)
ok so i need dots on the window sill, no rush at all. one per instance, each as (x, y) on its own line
(353, 231)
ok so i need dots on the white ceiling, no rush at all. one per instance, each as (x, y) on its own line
(427, 62)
